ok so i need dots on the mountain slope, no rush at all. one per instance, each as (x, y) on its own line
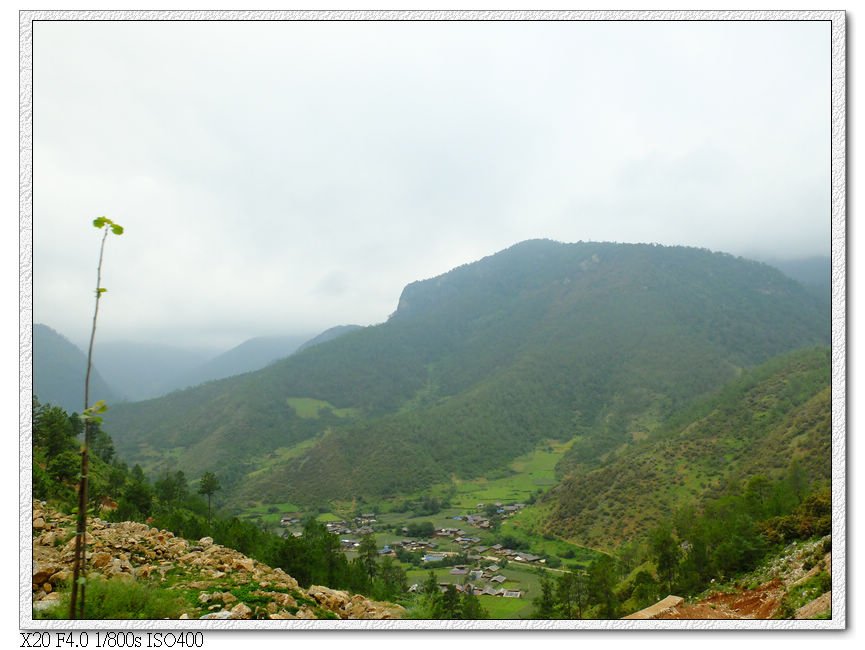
(757, 425)
(250, 355)
(542, 340)
(329, 335)
(208, 581)
(59, 368)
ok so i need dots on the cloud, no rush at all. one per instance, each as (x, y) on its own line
(282, 177)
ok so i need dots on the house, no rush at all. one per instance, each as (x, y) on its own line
(512, 594)
(433, 557)
(499, 579)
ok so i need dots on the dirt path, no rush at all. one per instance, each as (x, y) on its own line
(760, 603)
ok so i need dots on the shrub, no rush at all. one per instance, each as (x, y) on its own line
(121, 599)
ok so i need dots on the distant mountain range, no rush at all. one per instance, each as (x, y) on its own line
(59, 368)
(592, 342)
(137, 371)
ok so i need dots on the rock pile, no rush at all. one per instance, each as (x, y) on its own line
(134, 551)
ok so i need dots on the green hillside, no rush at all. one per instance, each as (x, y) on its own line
(758, 425)
(593, 341)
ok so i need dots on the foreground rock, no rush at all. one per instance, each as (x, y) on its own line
(134, 551)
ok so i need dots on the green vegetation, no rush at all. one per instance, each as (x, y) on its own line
(208, 485)
(596, 343)
(661, 412)
(122, 600)
(309, 408)
(804, 593)
(759, 424)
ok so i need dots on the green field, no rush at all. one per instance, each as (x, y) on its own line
(520, 578)
(310, 408)
(264, 515)
(506, 608)
(527, 475)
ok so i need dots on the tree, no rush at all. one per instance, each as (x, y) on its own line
(53, 430)
(391, 581)
(666, 553)
(171, 487)
(472, 610)
(207, 486)
(602, 584)
(451, 603)
(571, 594)
(545, 604)
(368, 554)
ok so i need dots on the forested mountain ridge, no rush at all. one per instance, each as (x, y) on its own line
(542, 340)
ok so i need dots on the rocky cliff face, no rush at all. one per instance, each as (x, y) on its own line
(221, 582)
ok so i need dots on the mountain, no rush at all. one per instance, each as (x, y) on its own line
(595, 341)
(143, 371)
(329, 335)
(146, 370)
(813, 271)
(758, 424)
(59, 369)
(250, 355)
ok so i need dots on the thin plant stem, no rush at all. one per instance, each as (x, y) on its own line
(76, 609)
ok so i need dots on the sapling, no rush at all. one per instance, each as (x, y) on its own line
(91, 415)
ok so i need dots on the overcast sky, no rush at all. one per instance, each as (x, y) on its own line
(278, 178)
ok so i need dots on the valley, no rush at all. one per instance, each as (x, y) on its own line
(551, 422)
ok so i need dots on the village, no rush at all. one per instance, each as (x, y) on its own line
(455, 552)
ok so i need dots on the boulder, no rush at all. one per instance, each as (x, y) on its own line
(332, 599)
(99, 560)
(42, 572)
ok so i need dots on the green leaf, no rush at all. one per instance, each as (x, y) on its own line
(117, 230)
(101, 221)
(101, 290)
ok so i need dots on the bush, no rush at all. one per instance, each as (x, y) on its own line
(121, 599)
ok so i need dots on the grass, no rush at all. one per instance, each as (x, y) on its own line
(309, 408)
(804, 593)
(121, 599)
(519, 578)
(528, 474)
(280, 455)
(506, 608)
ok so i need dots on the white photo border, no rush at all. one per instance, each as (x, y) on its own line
(838, 323)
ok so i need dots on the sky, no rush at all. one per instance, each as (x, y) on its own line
(280, 178)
